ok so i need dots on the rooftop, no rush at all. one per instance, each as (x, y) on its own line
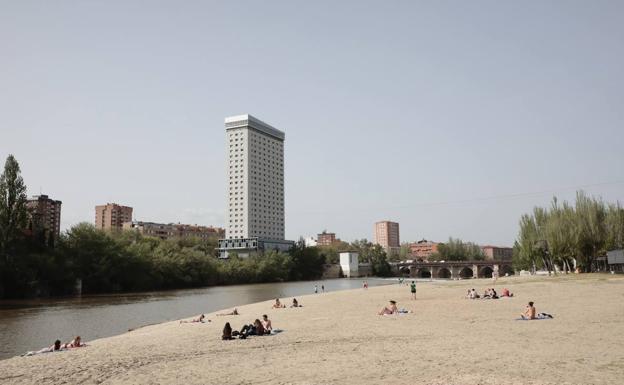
(247, 120)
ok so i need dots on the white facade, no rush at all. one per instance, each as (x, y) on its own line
(349, 263)
(310, 242)
(255, 179)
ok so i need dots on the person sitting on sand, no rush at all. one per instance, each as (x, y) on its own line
(233, 312)
(493, 294)
(295, 303)
(75, 343)
(386, 310)
(468, 295)
(473, 294)
(227, 332)
(529, 313)
(506, 293)
(266, 323)
(487, 294)
(278, 304)
(198, 319)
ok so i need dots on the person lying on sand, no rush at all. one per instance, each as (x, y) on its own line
(233, 312)
(392, 309)
(198, 319)
(295, 303)
(54, 348)
(278, 304)
(75, 343)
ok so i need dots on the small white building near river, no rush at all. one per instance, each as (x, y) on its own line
(349, 262)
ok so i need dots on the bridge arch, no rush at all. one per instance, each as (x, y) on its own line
(506, 269)
(466, 272)
(424, 272)
(443, 272)
(486, 272)
(405, 270)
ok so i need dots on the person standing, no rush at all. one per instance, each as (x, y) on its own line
(322, 288)
(413, 289)
(315, 289)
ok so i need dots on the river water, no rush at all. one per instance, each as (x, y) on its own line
(33, 324)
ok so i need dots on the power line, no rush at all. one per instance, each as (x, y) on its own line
(479, 199)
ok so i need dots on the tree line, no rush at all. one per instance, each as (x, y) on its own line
(566, 235)
(34, 264)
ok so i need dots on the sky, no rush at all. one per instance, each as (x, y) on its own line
(452, 118)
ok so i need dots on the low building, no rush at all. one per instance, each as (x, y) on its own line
(246, 247)
(310, 242)
(423, 249)
(174, 230)
(326, 239)
(202, 232)
(44, 218)
(615, 259)
(112, 216)
(349, 264)
(497, 253)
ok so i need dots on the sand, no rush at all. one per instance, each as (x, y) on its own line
(337, 338)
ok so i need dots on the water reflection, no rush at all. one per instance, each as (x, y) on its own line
(33, 324)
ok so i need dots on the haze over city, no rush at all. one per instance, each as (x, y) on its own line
(450, 118)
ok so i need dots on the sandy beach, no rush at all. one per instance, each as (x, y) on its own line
(338, 338)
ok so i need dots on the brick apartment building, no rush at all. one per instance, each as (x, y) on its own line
(326, 239)
(112, 216)
(44, 217)
(497, 253)
(423, 249)
(387, 236)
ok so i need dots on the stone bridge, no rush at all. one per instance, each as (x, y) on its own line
(454, 269)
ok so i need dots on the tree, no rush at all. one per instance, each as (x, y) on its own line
(379, 261)
(567, 235)
(456, 250)
(13, 210)
(307, 262)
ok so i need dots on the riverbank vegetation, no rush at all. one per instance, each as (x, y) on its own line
(567, 234)
(457, 250)
(33, 262)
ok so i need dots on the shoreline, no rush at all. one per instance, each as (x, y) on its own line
(338, 338)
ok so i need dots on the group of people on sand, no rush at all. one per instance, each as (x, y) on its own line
(58, 346)
(490, 293)
(279, 305)
(257, 328)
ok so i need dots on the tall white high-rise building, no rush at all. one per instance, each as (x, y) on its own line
(255, 206)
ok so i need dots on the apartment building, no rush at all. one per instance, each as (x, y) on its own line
(387, 236)
(255, 209)
(44, 216)
(112, 216)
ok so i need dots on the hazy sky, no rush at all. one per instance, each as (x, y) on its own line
(439, 115)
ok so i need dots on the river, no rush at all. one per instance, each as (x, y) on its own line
(32, 324)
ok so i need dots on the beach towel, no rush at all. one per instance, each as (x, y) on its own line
(534, 319)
